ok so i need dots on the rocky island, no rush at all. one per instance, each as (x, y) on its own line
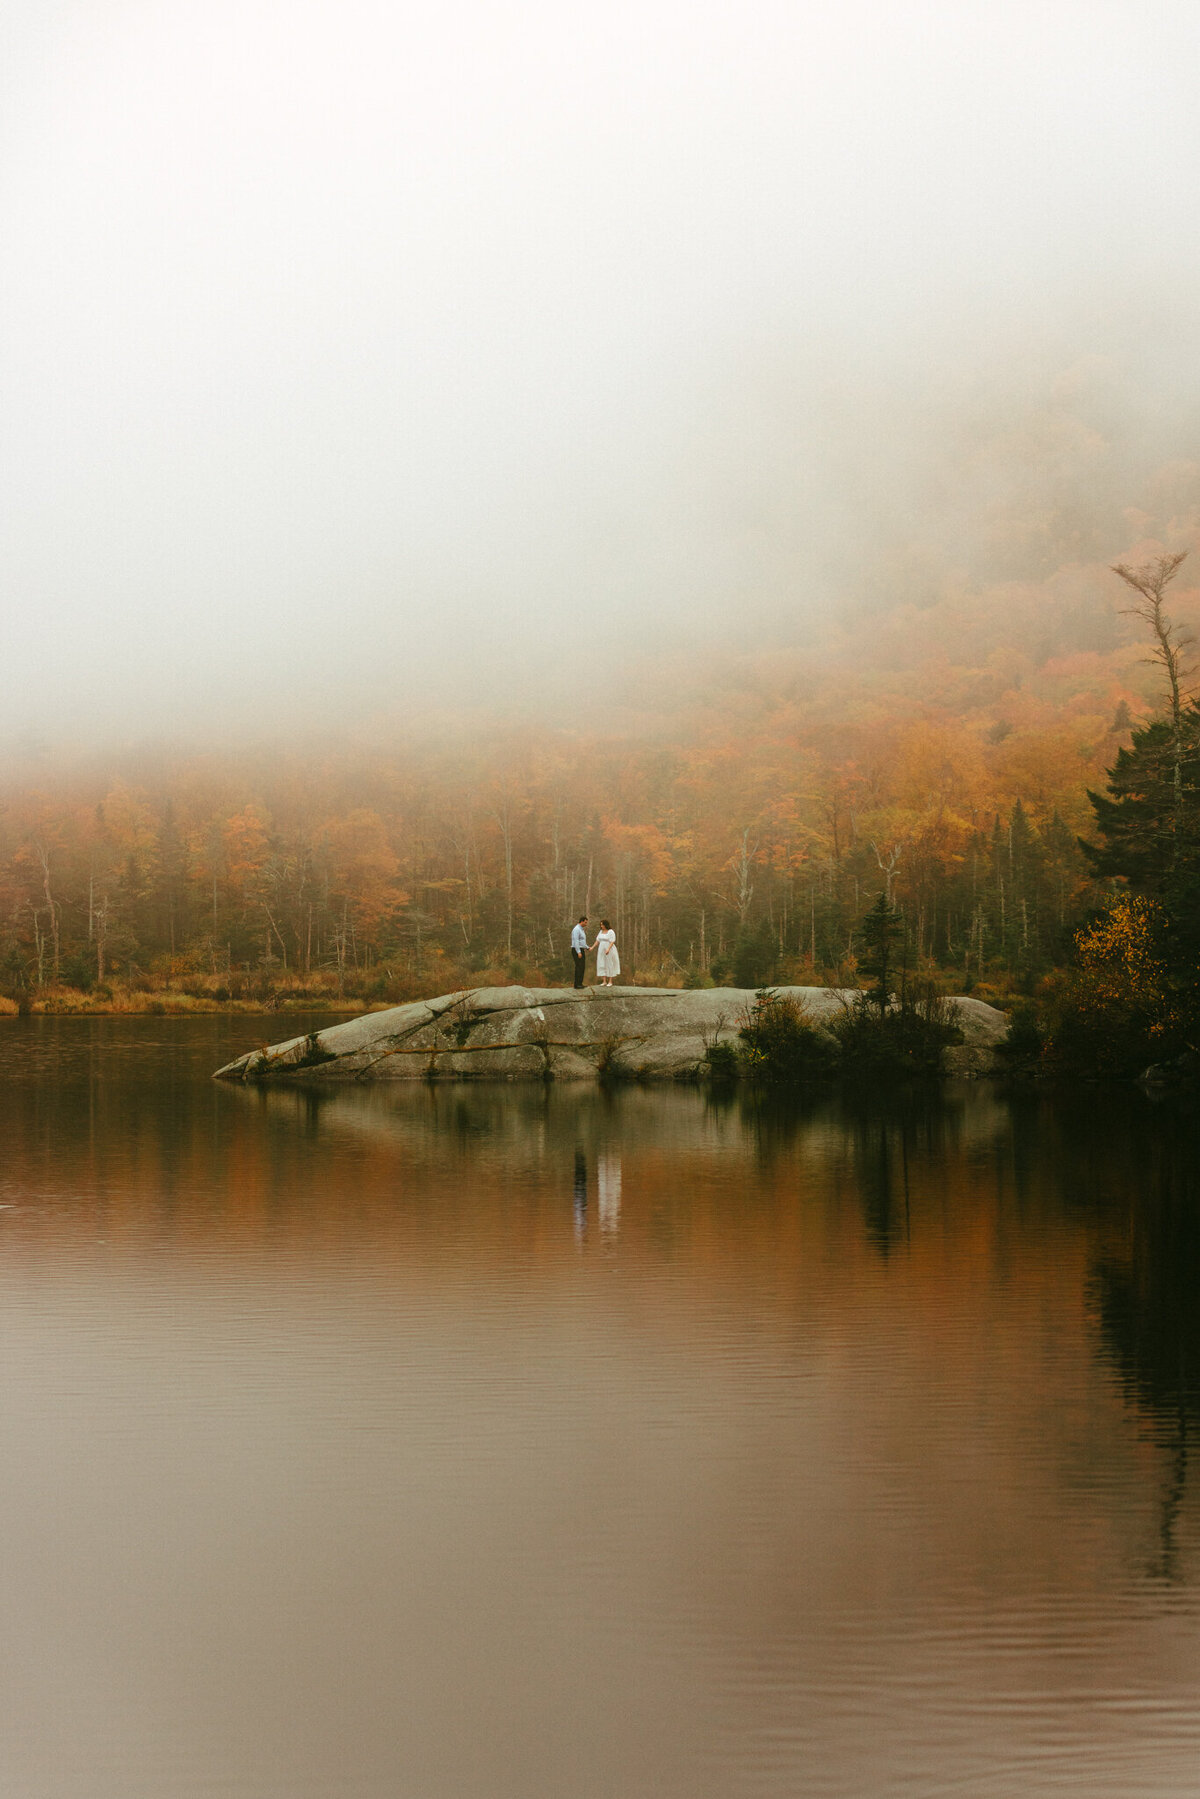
(650, 1033)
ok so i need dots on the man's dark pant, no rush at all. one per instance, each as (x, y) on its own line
(579, 957)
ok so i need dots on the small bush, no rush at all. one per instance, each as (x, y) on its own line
(779, 1045)
(465, 1019)
(696, 978)
(721, 1062)
(909, 1039)
(314, 1053)
(78, 971)
(1118, 1009)
(1023, 1045)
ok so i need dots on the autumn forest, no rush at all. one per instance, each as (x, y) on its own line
(734, 818)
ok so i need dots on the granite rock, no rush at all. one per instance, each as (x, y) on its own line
(558, 1033)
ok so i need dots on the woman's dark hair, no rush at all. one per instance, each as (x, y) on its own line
(604, 925)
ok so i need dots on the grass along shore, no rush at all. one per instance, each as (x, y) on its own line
(252, 992)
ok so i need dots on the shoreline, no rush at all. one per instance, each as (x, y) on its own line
(182, 1005)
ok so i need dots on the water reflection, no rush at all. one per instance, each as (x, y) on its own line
(608, 1191)
(1145, 1286)
(581, 1188)
(345, 1452)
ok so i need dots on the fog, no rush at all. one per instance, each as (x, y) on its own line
(359, 360)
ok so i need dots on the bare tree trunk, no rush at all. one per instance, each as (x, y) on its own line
(503, 818)
(888, 868)
(339, 944)
(469, 927)
(101, 938)
(43, 856)
(1150, 583)
(508, 884)
(277, 931)
(39, 946)
(743, 864)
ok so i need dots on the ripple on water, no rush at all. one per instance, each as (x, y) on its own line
(508, 1442)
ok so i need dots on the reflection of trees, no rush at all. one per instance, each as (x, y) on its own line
(1147, 1300)
(775, 1120)
(886, 1132)
(883, 1143)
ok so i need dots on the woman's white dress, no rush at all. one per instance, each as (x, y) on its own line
(607, 960)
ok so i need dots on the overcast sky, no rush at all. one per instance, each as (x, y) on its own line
(355, 355)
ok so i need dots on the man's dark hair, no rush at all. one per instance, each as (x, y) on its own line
(583, 918)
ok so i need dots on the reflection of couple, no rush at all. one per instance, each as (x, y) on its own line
(608, 1193)
(608, 962)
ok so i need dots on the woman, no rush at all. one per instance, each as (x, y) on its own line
(608, 963)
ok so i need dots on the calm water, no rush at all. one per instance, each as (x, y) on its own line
(487, 1442)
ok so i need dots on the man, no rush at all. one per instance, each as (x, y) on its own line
(579, 949)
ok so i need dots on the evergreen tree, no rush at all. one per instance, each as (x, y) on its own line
(1149, 819)
(755, 953)
(882, 933)
(1149, 823)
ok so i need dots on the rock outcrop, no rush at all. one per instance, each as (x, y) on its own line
(558, 1033)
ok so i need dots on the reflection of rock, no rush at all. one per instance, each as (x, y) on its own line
(657, 1032)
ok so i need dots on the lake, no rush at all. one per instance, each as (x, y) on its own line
(506, 1443)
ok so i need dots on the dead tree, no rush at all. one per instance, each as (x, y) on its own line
(742, 866)
(888, 869)
(1150, 583)
(42, 852)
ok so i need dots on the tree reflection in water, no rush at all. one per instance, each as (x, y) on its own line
(580, 1195)
(1126, 1169)
(1145, 1289)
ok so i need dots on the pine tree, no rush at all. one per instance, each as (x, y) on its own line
(1150, 825)
(882, 933)
(1150, 818)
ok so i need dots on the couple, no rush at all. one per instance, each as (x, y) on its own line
(608, 963)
